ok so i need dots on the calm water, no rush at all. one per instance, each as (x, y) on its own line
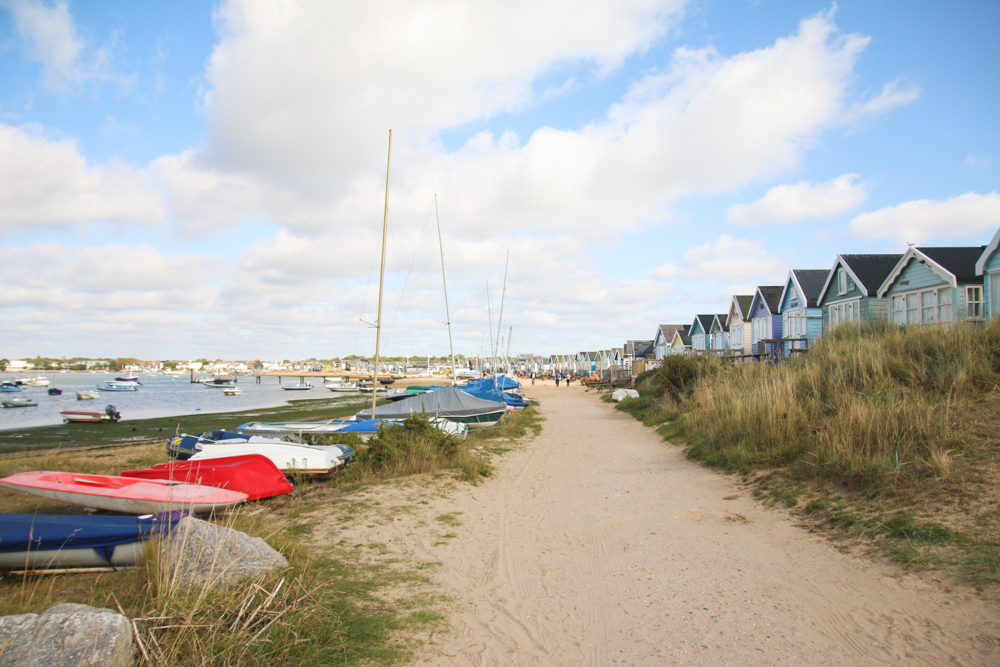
(158, 396)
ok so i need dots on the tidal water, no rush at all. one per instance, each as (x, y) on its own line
(157, 396)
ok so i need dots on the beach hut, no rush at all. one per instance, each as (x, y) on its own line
(664, 338)
(988, 266)
(801, 316)
(850, 293)
(718, 334)
(765, 317)
(935, 286)
(681, 342)
(699, 333)
(740, 329)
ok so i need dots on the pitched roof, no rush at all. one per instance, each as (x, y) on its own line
(722, 319)
(643, 348)
(960, 262)
(981, 262)
(952, 264)
(667, 330)
(868, 271)
(771, 294)
(684, 337)
(705, 321)
(743, 303)
(811, 281)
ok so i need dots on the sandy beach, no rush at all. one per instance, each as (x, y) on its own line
(596, 543)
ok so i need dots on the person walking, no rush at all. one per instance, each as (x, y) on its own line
(558, 377)
(568, 378)
(532, 377)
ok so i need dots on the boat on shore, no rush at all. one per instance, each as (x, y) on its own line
(109, 415)
(343, 386)
(289, 457)
(252, 474)
(36, 541)
(450, 403)
(122, 494)
(363, 429)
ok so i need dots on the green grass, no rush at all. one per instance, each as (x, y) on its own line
(874, 426)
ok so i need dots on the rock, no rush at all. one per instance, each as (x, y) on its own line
(68, 635)
(201, 552)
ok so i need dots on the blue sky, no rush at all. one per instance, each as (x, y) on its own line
(183, 180)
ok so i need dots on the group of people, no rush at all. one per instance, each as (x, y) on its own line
(559, 376)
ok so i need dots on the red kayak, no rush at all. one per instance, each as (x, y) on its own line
(252, 474)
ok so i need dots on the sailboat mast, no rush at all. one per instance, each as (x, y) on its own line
(447, 310)
(496, 351)
(381, 276)
(489, 310)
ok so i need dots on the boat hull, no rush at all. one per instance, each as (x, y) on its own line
(122, 494)
(286, 456)
(252, 474)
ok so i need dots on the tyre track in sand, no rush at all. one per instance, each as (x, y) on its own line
(597, 543)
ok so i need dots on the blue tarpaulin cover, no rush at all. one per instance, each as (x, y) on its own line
(46, 532)
(487, 389)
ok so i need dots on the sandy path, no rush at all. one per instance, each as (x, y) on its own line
(598, 544)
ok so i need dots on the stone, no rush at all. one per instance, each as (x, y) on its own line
(68, 635)
(200, 552)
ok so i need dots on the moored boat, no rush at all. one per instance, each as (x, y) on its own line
(55, 392)
(33, 541)
(344, 387)
(252, 474)
(232, 391)
(87, 395)
(18, 402)
(302, 386)
(122, 494)
(9, 386)
(110, 414)
(117, 385)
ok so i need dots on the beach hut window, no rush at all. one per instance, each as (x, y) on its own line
(974, 302)
(842, 281)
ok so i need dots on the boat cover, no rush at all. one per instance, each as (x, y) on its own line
(488, 389)
(506, 382)
(46, 532)
(448, 402)
(252, 474)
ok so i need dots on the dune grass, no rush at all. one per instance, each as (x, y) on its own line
(873, 421)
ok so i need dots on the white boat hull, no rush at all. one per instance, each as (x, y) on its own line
(287, 456)
(122, 556)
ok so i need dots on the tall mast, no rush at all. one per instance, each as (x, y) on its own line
(496, 351)
(447, 311)
(381, 276)
(489, 310)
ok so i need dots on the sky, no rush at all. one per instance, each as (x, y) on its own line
(182, 179)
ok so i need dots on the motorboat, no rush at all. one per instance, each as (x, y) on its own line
(110, 414)
(35, 541)
(252, 474)
(128, 378)
(9, 386)
(39, 382)
(117, 385)
(53, 391)
(232, 391)
(18, 402)
(87, 395)
(219, 383)
(122, 494)
(342, 387)
(302, 386)
(289, 457)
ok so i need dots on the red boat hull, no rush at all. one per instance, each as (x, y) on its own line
(252, 474)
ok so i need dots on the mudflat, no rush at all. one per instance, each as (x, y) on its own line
(598, 544)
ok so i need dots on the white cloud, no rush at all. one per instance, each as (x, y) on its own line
(923, 219)
(893, 95)
(724, 259)
(52, 40)
(978, 162)
(47, 183)
(802, 201)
